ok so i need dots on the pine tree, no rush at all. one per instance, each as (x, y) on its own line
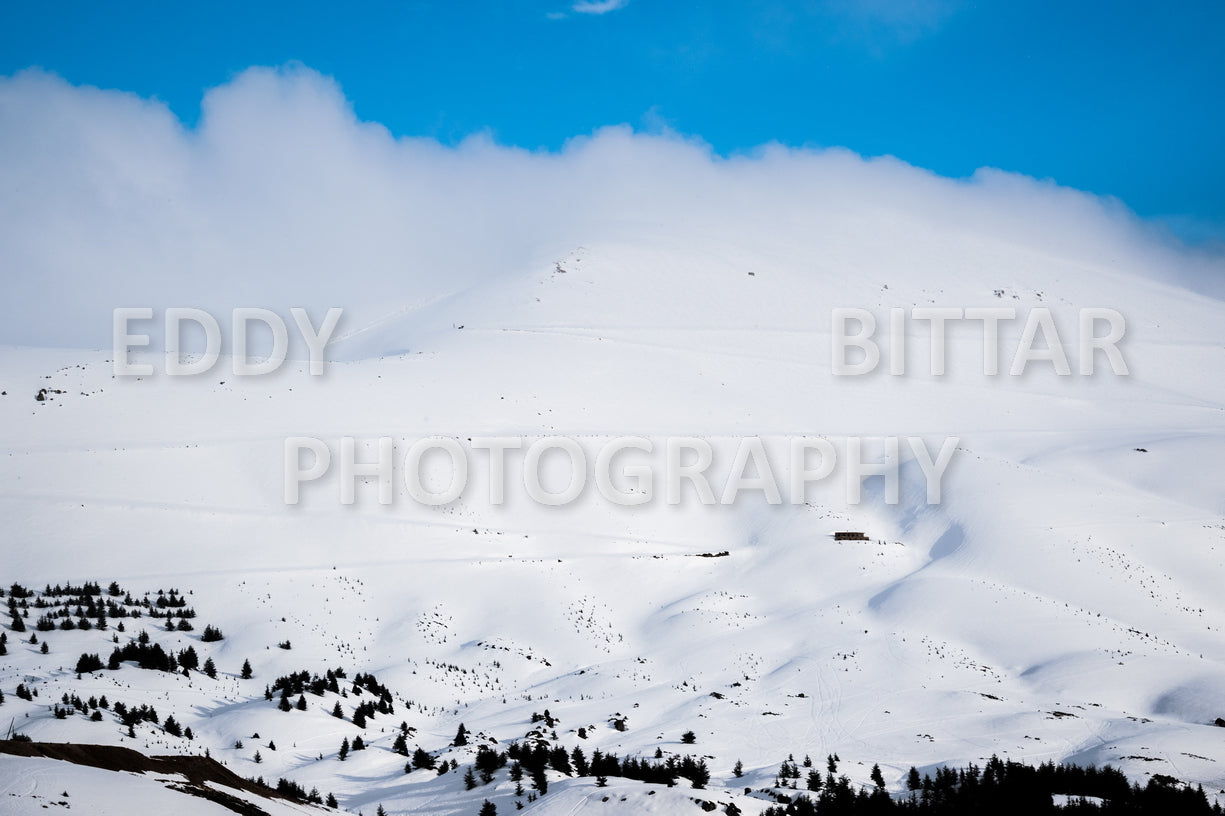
(700, 774)
(331, 801)
(44, 648)
(400, 745)
(344, 749)
(337, 711)
(246, 670)
(461, 737)
(581, 768)
(257, 759)
(913, 782)
(539, 780)
(301, 702)
(689, 738)
(87, 663)
(877, 777)
(488, 809)
(738, 769)
(210, 668)
(358, 743)
(469, 780)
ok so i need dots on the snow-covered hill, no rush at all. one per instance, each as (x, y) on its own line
(1062, 602)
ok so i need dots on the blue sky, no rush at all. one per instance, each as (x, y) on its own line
(1121, 98)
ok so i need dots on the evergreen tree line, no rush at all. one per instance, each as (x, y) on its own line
(533, 761)
(136, 714)
(100, 615)
(19, 592)
(94, 612)
(171, 599)
(84, 705)
(370, 684)
(86, 590)
(1000, 787)
(303, 681)
(291, 790)
(144, 654)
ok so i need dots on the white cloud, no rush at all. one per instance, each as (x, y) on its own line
(281, 197)
(598, 6)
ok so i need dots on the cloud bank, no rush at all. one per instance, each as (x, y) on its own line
(598, 6)
(281, 196)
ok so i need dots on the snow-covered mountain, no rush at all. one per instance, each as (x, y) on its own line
(1062, 601)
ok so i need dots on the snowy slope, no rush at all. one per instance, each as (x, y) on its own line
(33, 785)
(1062, 602)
